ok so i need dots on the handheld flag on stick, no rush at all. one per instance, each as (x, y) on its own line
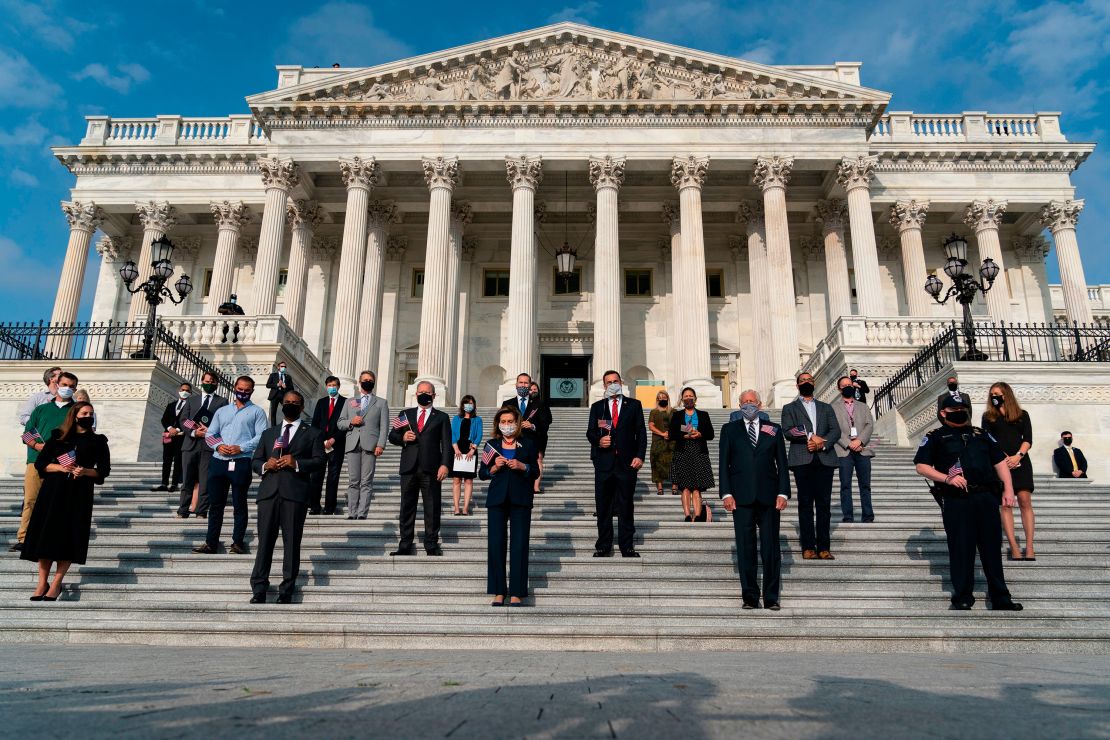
(32, 437)
(68, 459)
(488, 453)
(213, 440)
(400, 422)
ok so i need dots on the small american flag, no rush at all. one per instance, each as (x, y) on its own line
(604, 424)
(767, 429)
(189, 424)
(798, 431)
(355, 404)
(68, 459)
(957, 469)
(279, 443)
(488, 453)
(400, 422)
(31, 437)
(213, 440)
(530, 414)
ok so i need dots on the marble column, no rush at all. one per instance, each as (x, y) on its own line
(751, 215)
(442, 175)
(230, 217)
(84, 219)
(678, 347)
(771, 175)
(1060, 217)
(908, 216)
(380, 215)
(303, 217)
(360, 176)
(854, 175)
(113, 251)
(607, 176)
(157, 218)
(831, 215)
(391, 301)
(279, 176)
(984, 217)
(462, 365)
(524, 175)
(461, 215)
(691, 306)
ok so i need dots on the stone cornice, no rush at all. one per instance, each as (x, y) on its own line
(1036, 157)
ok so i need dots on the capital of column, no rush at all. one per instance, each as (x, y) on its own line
(441, 172)
(230, 214)
(812, 247)
(359, 173)
(606, 172)
(908, 214)
(665, 248)
(524, 172)
(985, 214)
(670, 214)
(324, 248)
(302, 213)
(772, 172)
(279, 173)
(832, 214)
(856, 172)
(468, 247)
(689, 172)
(83, 216)
(395, 248)
(382, 213)
(1030, 250)
(114, 248)
(1061, 214)
(462, 213)
(738, 246)
(750, 213)
(157, 215)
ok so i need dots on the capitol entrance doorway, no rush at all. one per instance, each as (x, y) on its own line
(565, 379)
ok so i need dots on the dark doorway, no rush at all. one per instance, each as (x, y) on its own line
(565, 379)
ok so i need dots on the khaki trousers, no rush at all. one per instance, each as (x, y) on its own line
(31, 485)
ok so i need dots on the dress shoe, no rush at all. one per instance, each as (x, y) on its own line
(436, 551)
(603, 553)
(202, 515)
(314, 512)
(329, 512)
(750, 605)
(284, 599)
(629, 554)
(809, 554)
(847, 520)
(772, 605)
(159, 488)
(362, 517)
(258, 599)
(825, 555)
(961, 606)
(406, 552)
(179, 515)
(351, 518)
(16, 547)
(1013, 606)
(869, 520)
(172, 489)
(237, 549)
(204, 550)
(497, 603)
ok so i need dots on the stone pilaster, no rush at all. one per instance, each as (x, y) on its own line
(461, 215)
(908, 217)
(303, 217)
(113, 251)
(230, 217)
(462, 363)
(607, 176)
(771, 175)
(677, 338)
(831, 216)
(278, 176)
(381, 214)
(1060, 217)
(984, 217)
(524, 175)
(157, 218)
(360, 176)
(84, 219)
(750, 214)
(854, 175)
(386, 367)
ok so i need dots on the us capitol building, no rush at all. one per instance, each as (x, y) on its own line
(567, 200)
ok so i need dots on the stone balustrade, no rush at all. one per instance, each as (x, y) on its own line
(902, 126)
(237, 130)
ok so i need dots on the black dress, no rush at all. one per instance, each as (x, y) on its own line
(464, 446)
(1010, 435)
(62, 517)
(691, 468)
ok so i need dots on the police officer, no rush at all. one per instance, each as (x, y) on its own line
(969, 469)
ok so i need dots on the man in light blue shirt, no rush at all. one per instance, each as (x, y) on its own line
(233, 436)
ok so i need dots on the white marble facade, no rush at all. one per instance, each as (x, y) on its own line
(754, 205)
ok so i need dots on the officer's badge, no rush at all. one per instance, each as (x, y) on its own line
(924, 441)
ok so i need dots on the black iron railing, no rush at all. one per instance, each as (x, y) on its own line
(994, 342)
(105, 341)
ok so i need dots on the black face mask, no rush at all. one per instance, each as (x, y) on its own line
(85, 422)
(1067, 441)
(958, 418)
(424, 399)
(806, 389)
(664, 403)
(996, 401)
(367, 385)
(853, 378)
(848, 391)
(953, 387)
(292, 411)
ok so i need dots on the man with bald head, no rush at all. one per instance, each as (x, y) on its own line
(424, 435)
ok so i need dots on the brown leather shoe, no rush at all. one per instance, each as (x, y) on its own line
(825, 555)
(809, 554)
(237, 549)
(204, 550)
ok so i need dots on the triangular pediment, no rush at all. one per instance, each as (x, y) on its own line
(572, 63)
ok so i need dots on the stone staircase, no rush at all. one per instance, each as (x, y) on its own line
(885, 592)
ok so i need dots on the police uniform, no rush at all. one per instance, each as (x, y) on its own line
(971, 517)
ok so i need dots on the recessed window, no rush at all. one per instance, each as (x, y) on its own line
(283, 280)
(495, 283)
(207, 283)
(567, 284)
(637, 282)
(715, 284)
(418, 283)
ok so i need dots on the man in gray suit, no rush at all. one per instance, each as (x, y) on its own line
(812, 431)
(365, 419)
(853, 450)
(195, 454)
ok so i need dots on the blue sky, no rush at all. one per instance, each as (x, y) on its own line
(62, 60)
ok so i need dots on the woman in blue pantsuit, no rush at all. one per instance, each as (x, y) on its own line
(511, 469)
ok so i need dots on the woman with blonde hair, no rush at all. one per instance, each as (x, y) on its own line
(662, 448)
(1009, 424)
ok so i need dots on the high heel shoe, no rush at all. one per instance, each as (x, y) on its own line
(40, 597)
(50, 598)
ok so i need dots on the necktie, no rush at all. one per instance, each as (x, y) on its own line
(420, 421)
(180, 405)
(363, 402)
(331, 407)
(615, 413)
(285, 438)
(204, 404)
(752, 435)
(1074, 462)
(523, 407)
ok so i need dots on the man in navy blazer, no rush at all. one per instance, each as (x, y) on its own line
(325, 419)
(755, 488)
(618, 443)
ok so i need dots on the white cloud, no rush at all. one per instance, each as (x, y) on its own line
(121, 83)
(23, 178)
(340, 32)
(29, 134)
(22, 85)
(57, 29)
(581, 13)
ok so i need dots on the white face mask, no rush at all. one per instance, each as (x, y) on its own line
(65, 392)
(613, 389)
(468, 408)
(183, 395)
(508, 430)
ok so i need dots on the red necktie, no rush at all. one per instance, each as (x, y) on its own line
(420, 421)
(615, 414)
(331, 408)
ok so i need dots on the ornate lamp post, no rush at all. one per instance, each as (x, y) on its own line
(155, 289)
(964, 287)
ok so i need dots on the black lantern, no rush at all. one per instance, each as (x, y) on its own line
(154, 288)
(933, 286)
(129, 273)
(964, 287)
(955, 247)
(989, 271)
(565, 257)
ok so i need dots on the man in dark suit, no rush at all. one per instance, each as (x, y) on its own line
(287, 457)
(173, 435)
(279, 383)
(424, 436)
(862, 389)
(755, 488)
(534, 414)
(1069, 460)
(955, 393)
(195, 454)
(618, 443)
(812, 431)
(324, 418)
